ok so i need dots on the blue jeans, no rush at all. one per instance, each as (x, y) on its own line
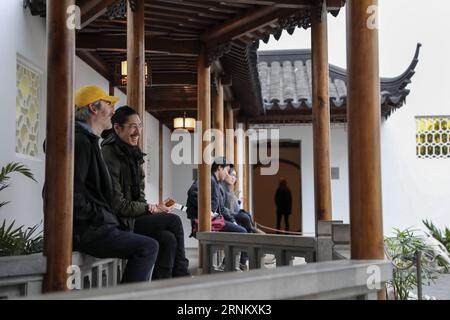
(140, 251)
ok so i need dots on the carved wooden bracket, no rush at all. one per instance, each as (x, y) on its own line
(37, 7)
(119, 9)
(217, 52)
(301, 19)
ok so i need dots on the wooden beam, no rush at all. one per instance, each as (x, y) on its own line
(58, 196)
(204, 167)
(92, 9)
(239, 26)
(254, 20)
(321, 115)
(136, 61)
(170, 105)
(96, 63)
(118, 43)
(292, 4)
(363, 109)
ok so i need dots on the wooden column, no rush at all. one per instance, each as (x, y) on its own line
(219, 119)
(363, 112)
(321, 114)
(161, 161)
(236, 154)
(136, 62)
(58, 198)
(246, 170)
(229, 139)
(111, 88)
(204, 117)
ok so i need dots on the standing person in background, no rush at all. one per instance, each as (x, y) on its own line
(283, 202)
(125, 162)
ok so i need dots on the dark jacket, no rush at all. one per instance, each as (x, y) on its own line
(126, 206)
(217, 201)
(283, 201)
(93, 191)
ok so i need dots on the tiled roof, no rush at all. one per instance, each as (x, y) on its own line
(285, 77)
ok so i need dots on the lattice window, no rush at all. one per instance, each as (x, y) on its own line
(433, 137)
(28, 101)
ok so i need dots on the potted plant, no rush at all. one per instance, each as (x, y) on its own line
(22, 264)
(403, 251)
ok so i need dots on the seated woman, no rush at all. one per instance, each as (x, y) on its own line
(243, 218)
(124, 160)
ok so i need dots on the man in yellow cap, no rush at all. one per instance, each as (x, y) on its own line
(96, 229)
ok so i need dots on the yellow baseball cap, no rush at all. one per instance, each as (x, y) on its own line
(89, 94)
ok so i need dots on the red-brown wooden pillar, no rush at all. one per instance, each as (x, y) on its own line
(363, 112)
(321, 114)
(58, 198)
(229, 136)
(136, 61)
(204, 117)
(246, 185)
(219, 119)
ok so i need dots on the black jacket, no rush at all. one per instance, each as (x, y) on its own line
(283, 201)
(92, 187)
(217, 201)
(125, 205)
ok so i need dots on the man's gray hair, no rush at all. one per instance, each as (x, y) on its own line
(83, 113)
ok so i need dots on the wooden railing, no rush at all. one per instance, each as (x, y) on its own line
(284, 247)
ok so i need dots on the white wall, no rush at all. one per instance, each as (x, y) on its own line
(413, 189)
(151, 131)
(21, 33)
(303, 133)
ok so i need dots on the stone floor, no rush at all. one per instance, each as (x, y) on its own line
(440, 290)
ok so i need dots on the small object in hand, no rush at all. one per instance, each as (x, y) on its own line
(169, 202)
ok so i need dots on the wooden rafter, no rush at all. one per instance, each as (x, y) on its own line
(94, 42)
(97, 63)
(92, 9)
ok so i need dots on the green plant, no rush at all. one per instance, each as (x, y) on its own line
(402, 251)
(17, 240)
(442, 236)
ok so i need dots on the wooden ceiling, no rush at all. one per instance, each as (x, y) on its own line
(175, 29)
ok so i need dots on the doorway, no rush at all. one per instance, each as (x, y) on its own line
(264, 188)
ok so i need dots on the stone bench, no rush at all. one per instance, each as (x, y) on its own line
(23, 275)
